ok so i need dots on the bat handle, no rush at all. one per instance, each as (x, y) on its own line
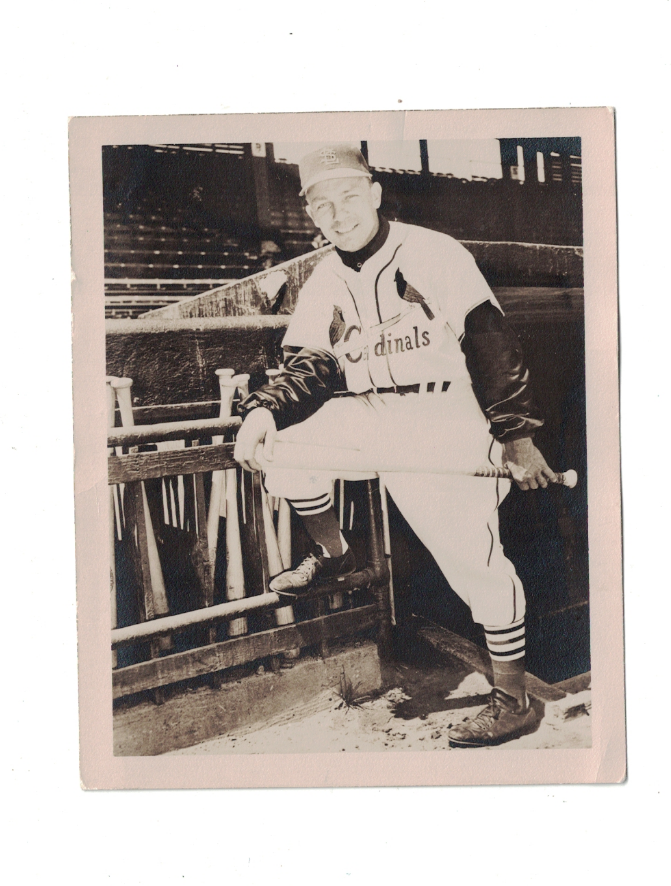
(122, 387)
(242, 382)
(567, 478)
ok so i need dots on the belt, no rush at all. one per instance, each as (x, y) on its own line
(411, 389)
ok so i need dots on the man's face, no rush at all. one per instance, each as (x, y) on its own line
(345, 210)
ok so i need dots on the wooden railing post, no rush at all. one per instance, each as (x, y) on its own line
(378, 562)
(258, 539)
(137, 529)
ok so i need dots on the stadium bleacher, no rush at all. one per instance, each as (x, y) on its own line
(154, 257)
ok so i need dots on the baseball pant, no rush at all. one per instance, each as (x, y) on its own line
(455, 517)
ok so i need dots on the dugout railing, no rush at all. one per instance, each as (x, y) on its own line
(364, 601)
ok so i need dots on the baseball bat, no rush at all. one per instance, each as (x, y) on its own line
(242, 384)
(164, 501)
(173, 504)
(562, 478)
(275, 564)
(281, 505)
(172, 508)
(122, 387)
(386, 537)
(118, 490)
(336, 600)
(111, 402)
(235, 577)
(332, 460)
(284, 532)
(226, 392)
(178, 444)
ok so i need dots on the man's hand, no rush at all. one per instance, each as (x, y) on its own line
(527, 465)
(258, 427)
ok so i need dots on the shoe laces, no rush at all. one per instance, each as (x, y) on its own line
(488, 714)
(308, 567)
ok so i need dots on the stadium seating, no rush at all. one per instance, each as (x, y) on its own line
(154, 258)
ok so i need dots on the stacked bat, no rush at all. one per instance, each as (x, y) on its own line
(114, 517)
(223, 503)
(120, 388)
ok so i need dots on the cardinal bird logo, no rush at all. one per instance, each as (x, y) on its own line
(337, 327)
(410, 294)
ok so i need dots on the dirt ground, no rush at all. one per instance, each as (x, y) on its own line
(427, 698)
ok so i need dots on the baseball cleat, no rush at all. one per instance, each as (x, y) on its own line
(295, 582)
(502, 720)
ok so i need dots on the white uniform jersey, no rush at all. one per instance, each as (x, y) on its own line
(397, 321)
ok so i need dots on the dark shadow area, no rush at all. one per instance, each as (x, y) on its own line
(427, 677)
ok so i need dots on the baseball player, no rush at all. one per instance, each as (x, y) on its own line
(400, 319)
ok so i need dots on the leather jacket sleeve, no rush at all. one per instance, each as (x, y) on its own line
(310, 378)
(499, 374)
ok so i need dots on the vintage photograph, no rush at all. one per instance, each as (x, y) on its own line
(347, 435)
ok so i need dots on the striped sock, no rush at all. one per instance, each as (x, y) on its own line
(306, 507)
(343, 543)
(321, 523)
(506, 644)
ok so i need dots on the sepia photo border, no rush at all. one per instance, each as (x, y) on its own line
(605, 760)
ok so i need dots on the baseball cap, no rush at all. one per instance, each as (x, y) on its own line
(331, 161)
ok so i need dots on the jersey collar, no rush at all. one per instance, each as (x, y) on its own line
(356, 260)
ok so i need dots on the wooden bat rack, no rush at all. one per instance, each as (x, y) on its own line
(128, 468)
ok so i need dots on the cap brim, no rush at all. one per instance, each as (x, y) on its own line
(341, 172)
